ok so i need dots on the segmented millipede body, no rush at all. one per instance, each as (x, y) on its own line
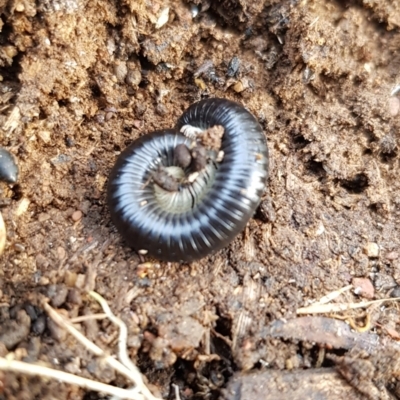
(205, 215)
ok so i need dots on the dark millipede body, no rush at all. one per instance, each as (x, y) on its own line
(202, 216)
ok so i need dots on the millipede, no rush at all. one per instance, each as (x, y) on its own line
(177, 199)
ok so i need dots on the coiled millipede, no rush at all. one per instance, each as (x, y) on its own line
(184, 193)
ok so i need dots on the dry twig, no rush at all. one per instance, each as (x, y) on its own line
(38, 370)
(133, 374)
(337, 307)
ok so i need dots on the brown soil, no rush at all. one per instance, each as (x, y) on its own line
(80, 80)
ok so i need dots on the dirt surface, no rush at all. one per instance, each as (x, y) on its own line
(80, 80)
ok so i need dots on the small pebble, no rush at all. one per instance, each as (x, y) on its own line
(85, 206)
(238, 87)
(61, 253)
(120, 70)
(73, 367)
(140, 109)
(393, 255)
(80, 281)
(384, 281)
(233, 66)
(43, 281)
(45, 136)
(39, 325)
(395, 292)
(74, 296)
(20, 7)
(161, 109)
(19, 353)
(138, 124)
(133, 78)
(70, 278)
(56, 332)
(372, 250)
(76, 215)
(58, 295)
(22, 207)
(43, 217)
(394, 106)
(19, 247)
(182, 156)
(69, 142)
(31, 311)
(363, 287)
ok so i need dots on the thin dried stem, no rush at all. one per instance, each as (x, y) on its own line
(38, 370)
(83, 318)
(133, 375)
(337, 307)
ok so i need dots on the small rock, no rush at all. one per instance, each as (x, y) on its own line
(395, 292)
(42, 217)
(233, 67)
(74, 296)
(133, 78)
(363, 287)
(70, 278)
(85, 206)
(162, 18)
(58, 295)
(76, 215)
(182, 156)
(13, 332)
(138, 124)
(61, 253)
(140, 109)
(73, 367)
(238, 87)
(31, 311)
(41, 261)
(19, 247)
(384, 281)
(372, 250)
(393, 255)
(80, 281)
(45, 136)
(120, 70)
(39, 325)
(394, 106)
(161, 109)
(44, 281)
(101, 371)
(22, 207)
(20, 353)
(33, 349)
(56, 332)
(69, 142)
